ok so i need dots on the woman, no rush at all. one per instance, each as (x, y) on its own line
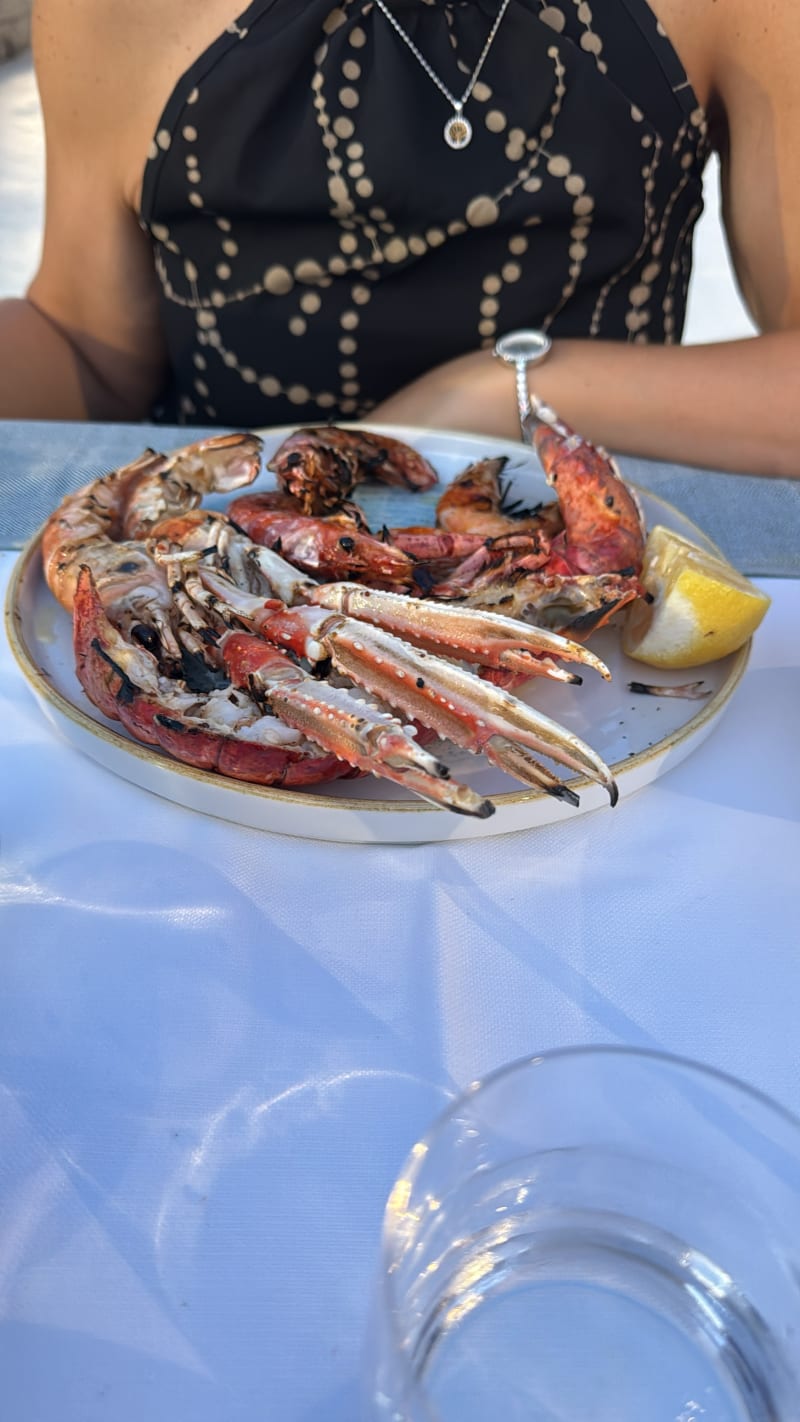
(316, 211)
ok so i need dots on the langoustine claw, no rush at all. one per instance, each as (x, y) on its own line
(486, 639)
(356, 730)
(314, 731)
(454, 702)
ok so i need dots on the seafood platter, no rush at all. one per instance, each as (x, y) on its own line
(359, 634)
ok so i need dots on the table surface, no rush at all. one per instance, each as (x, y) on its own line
(217, 1045)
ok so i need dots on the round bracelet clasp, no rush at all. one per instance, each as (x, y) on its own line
(521, 349)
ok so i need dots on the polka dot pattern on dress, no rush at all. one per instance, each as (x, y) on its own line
(324, 247)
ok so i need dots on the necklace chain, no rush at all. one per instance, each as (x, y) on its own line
(458, 130)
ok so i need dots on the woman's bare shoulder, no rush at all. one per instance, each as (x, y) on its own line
(117, 60)
(106, 68)
(763, 39)
(758, 57)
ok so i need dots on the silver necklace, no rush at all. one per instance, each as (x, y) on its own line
(458, 129)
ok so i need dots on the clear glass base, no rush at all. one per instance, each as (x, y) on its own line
(590, 1317)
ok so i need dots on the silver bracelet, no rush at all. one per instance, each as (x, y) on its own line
(521, 349)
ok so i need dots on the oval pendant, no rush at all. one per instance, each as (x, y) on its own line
(458, 131)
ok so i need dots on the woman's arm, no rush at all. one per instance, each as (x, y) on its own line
(734, 405)
(86, 341)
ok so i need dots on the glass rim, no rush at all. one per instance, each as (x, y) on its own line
(610, 1051)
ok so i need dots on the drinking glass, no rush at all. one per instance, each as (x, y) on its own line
(593, 1235)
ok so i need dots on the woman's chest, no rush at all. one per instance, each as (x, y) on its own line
(609, 29)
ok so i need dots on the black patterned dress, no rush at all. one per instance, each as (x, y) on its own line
(319, 245)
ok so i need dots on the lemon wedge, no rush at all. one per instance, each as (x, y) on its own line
(701, 607)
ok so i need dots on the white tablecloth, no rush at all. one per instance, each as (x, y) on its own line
(218, 1045)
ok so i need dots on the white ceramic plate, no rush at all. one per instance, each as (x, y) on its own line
(640, 737)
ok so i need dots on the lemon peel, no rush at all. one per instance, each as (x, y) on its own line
(702, 609)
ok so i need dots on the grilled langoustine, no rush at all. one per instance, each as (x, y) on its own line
(221, 652)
